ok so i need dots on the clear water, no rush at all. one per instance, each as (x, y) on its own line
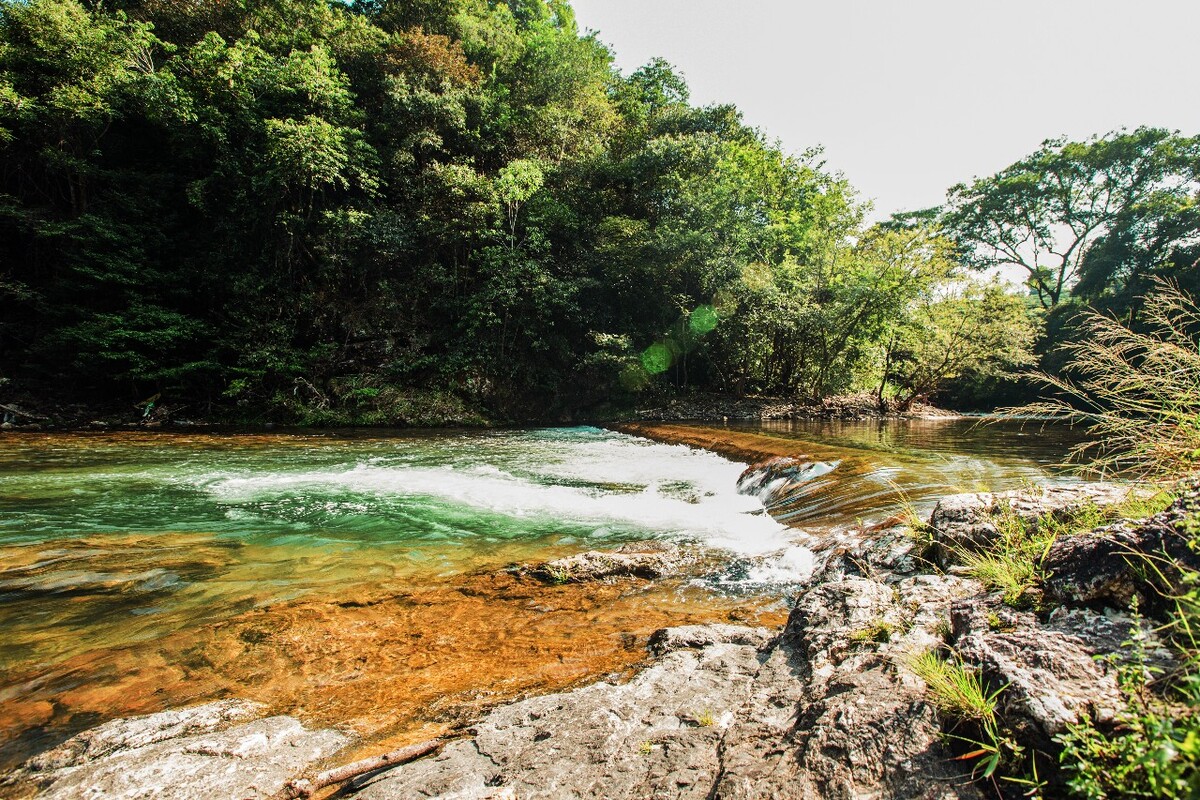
(880, 467)
(143, 570)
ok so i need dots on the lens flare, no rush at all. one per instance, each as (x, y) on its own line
(703, 320)
(657, 358)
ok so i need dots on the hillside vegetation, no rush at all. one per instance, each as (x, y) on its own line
(388, 212)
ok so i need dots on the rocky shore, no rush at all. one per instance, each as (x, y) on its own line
(828, 707)
(25, 412)
(824, 708)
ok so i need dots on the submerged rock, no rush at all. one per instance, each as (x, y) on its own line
(724, 711)
(776, 477)
(648, 560)
(221, 749)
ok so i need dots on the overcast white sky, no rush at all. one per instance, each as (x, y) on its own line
(909, 97)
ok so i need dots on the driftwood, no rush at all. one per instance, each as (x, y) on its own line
(305, 788)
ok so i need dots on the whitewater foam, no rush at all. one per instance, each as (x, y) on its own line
(595, 478)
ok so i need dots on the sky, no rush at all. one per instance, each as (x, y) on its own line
(909, 97)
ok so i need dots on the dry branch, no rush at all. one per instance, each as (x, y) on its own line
(305, 788)
(20, 412)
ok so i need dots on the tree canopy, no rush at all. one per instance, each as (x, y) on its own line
(294, 209)
(1070, 202)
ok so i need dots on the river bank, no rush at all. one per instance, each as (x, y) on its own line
(708, 705)
(423, 409)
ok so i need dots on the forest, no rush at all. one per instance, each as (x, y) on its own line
(436, 211)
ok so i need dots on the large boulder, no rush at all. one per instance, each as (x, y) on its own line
(1050, 674)
(1110, 565)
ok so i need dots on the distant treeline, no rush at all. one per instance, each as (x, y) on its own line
(398, 211)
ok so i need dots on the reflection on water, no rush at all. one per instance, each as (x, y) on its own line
(865, 471)
(357, 577)
(1009, 441)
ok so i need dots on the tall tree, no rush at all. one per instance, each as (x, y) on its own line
(1045, 213)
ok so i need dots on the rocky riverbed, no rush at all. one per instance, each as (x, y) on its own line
(826, 707)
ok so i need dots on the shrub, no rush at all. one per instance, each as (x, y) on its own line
(1154, 750)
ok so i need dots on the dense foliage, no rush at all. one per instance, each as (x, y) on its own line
(309, 209)
(1086, 218)
(390, 211)
(1088, 226)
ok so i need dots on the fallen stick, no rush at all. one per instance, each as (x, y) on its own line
(304, 788)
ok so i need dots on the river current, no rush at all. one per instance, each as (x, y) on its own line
(358, 577)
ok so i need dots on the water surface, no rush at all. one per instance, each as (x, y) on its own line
(358, 577)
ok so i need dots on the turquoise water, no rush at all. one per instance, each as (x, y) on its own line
(116, 538)
(108, 538)
(134, 565)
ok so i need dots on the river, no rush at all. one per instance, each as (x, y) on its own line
(358, 578)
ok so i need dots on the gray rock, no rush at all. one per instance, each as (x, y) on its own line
(203, 751)
(888, 553)
(698, 636)
(967, 522)
(1055, 672)
(657, 735)
(135, 732)
(648, 560)
(1107, 566)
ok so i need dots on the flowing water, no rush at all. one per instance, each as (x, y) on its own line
(358, 578)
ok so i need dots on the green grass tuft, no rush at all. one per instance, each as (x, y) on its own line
(955, 688)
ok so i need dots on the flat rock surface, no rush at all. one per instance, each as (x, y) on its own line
(207, 751)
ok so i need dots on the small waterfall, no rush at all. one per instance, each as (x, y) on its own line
(821, 494)
(776, 479)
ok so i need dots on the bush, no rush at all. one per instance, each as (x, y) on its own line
(1154, 750)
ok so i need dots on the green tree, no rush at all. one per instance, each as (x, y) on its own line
(956, 329)
(1157, 239)
(1045, 213)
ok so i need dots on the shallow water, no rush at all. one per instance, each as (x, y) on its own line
(882, 467)
(354, 577)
